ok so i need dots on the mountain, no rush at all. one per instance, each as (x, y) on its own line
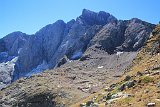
(79, 58)
(72, 39)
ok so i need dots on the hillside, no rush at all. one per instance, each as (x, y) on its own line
(140, 84)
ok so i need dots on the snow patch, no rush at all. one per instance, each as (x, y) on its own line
(65, 44)
(119, 53)
(6, 71)
(19, 50)
(100, 67)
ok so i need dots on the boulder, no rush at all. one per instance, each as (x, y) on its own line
(128, 84)
(127, 78)
(151, 104)
(62, 61)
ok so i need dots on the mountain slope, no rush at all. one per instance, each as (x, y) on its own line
(139, 86)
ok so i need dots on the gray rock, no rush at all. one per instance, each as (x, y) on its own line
(10, 47)
(110, 36)
(155, 48)
(122, 35)
(136, 33)
(40, 47)
(128, 84)
(75, 43)
(13, 42)
(112, 86)
(62, 61)
(122, 87)
(89, 103)
(158, 84)
(139, 74)
(127, 78)
(108, 96)
(151, 104)
(82, 105)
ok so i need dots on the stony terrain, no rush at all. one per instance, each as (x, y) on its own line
(87, 54)
(76, 79)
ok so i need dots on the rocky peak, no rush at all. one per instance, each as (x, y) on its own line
(48, 28)
(100, 18)
(13, 42)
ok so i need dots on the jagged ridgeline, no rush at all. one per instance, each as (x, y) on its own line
(24, 55)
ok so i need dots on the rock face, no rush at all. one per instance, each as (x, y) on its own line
(40, 47)
(122, 35)
(89, 31)
(10, 47)
(54, 41)
(12, 43)
(6, 71)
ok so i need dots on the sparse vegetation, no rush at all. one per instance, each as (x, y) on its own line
(125, 100)
(146, 79)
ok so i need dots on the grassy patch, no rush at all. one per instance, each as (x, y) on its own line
(158, 97)
(99, 98)
(147, 79)
(125, 100)
(115, 91)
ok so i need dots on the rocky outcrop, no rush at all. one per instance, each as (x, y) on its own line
(40, 47)
(10, 47)
(127, 35)
(91, 18)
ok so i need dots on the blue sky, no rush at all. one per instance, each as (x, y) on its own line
(29, 16)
